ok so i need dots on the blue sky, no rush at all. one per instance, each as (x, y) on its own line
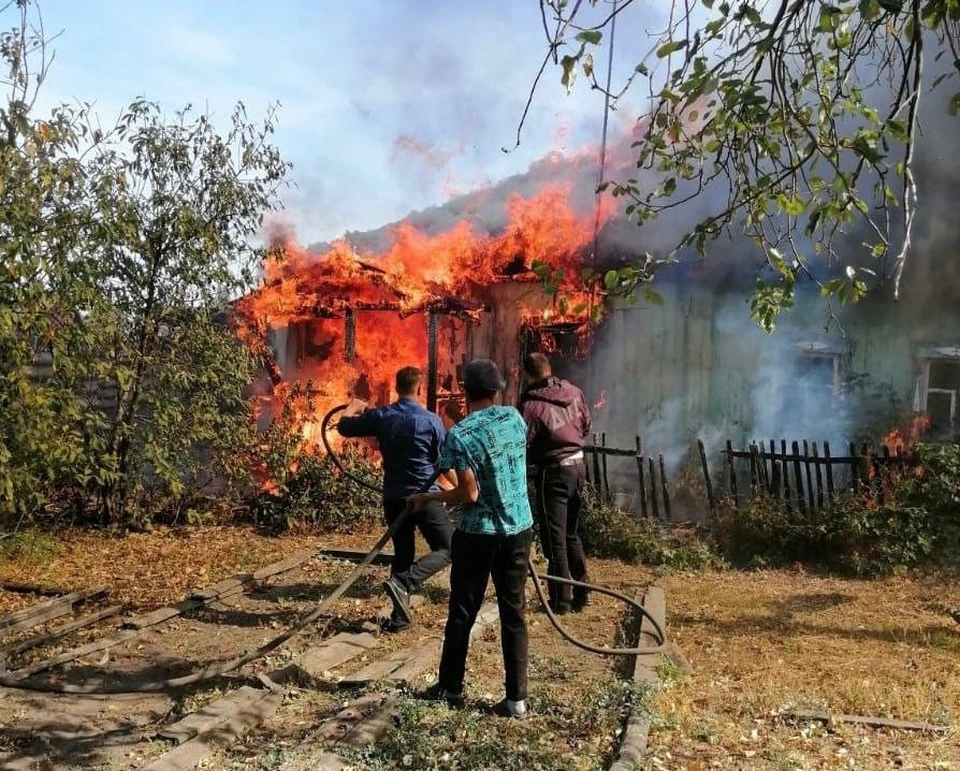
(362, 84)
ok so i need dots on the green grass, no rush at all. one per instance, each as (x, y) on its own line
(577, 734)
(29, 547)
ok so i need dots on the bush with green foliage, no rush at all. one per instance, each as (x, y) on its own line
(917, 526)
(608, 531)
(318, 497)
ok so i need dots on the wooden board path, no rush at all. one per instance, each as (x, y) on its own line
(133, 626)
(41, 613)
(365, 719)
(318, 660)
(217, 725)
(637, 730)
(62, 631)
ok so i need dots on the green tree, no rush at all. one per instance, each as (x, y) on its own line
(177, 206)
(43, 288)
(121, 250)
(803, 114)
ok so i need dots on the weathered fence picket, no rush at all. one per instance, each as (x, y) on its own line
(805, 479)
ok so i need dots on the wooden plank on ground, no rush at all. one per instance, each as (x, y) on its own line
(421, 659)
(355, 555)
(226, 587)
(362, 721)
(866, 720)
(489, 614)
(319, 659)
(62, 631)
(49, 610)
(210, 716)
(43, 591)
(379, 669)
(76, 653)
(368, 717)
(236, 721)
(291, 562)
(160, 615)
(637, 730)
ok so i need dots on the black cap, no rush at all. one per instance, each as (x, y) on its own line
(482, 375)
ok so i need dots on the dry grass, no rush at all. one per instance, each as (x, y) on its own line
(769, 641)
(147, 570)
(759, 643)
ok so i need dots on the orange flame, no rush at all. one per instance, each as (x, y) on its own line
(297, 319)
(602, 401)
(904, 438)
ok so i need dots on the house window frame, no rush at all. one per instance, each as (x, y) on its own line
(924, 357)
(838, 352)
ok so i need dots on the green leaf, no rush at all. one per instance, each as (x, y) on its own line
(568, 65)
(671, 47)
(591, 36)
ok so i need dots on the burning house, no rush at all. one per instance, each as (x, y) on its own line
(341, 322)
(456, 282)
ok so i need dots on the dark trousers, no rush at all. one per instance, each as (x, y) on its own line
(559, 504)
(435, 526)
(475, 559)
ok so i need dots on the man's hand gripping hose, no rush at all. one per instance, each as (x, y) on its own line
(21, 682)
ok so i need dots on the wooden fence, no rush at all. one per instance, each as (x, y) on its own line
(654, 495)
(808, 477)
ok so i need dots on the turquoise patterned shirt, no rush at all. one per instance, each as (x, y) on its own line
(492, 443)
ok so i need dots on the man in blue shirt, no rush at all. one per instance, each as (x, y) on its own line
(410, 439)
(488, 451)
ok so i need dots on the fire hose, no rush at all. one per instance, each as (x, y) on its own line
(11, 680)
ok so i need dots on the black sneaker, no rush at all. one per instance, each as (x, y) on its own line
(559, 610)
(580, 601)
(437, 692)
(955, 614)
(395, 624)
(401, 600)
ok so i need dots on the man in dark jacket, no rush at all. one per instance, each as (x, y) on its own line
(410, 440)
(558, 420)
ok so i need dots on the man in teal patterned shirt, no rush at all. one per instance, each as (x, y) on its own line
(488, 451)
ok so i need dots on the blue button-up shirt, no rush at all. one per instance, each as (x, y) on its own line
(410, 439)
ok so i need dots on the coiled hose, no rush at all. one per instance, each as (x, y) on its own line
(537, 578)
(13, 681)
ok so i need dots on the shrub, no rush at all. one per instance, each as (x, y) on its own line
(919, 525)
(318, 496)
(608, 531)
(28, 546)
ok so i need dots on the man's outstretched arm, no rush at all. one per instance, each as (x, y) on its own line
(358, 420)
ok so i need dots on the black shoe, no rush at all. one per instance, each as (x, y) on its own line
(559, 610)
(437, 692)
(401, 600)
(394, 624)
(580, 600)
(955, 614)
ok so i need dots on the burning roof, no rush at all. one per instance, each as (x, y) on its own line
(361, 316)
